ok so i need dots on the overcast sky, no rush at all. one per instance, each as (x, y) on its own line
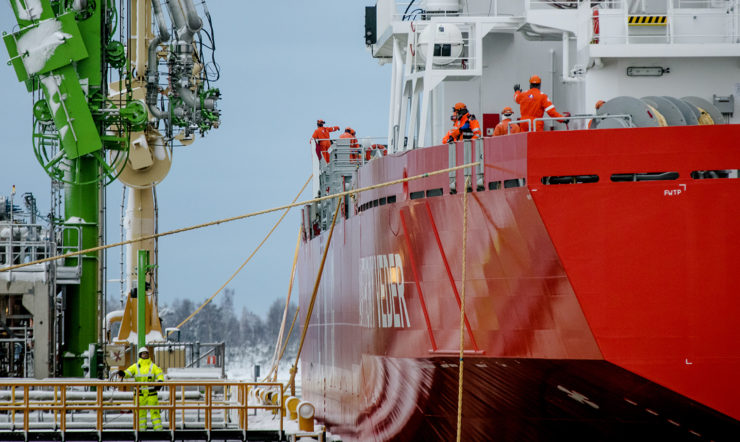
(283, 65)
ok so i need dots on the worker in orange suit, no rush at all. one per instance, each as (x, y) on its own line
(597, 106)
(466, 126)
(354, 154)
(321, 138)
(504, 127)
(377, 150)
(533, 104)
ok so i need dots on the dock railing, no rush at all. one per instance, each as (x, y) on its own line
(63, 405)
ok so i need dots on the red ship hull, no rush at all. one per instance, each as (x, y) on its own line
(599, 310)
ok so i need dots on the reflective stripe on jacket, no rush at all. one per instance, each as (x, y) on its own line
(533, 104)
(466, 128)
(144, 370)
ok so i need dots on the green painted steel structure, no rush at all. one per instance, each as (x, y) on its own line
(59, 50)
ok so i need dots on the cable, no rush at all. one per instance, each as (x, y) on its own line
(407, 10)
(185, 321)
(240, 217)
(462, 310)
(294, 368)
(278, 344)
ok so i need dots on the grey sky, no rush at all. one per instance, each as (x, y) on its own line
(283, 65)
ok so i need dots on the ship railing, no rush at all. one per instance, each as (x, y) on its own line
(414, 11)
(671, 21)
(554, 4)
(70, 269)
(573, 122)
(38, 405)
(22, 243)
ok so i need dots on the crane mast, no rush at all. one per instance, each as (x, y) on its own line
(116, 86)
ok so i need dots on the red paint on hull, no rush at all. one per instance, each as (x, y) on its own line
(614, 271)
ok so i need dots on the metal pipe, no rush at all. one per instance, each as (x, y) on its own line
(152, 75)
(194, 22)
(176, 15)
(567, 78)
(164, 33)
(152, 80)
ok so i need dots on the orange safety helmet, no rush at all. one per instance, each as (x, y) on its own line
(599, 104)
(459, 106)
(507, 111)
(350, 130)
(320, 122)
(535, 79)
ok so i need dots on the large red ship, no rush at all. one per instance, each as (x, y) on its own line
(600, 282)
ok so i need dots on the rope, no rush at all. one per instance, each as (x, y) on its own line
(294, 368)
(279, 342)
(462, 311)
(246, 261)
(239, 217)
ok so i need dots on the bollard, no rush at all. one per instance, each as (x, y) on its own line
(292, 405)
(305, 416)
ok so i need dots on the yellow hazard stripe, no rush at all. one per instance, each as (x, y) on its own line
(647, 20)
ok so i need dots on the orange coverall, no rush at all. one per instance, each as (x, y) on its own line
(354, 156)
(321, 137)
(466, 128)
(503, 128)
(533, 104)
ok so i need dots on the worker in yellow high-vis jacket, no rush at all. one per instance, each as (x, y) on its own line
(144, 370)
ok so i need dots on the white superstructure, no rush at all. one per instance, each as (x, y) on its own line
(474, 51)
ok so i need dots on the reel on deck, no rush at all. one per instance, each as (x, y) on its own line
(656, 111)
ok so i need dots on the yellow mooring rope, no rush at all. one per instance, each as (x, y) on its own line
(294, 368)
(462, 310)
(246, 261)
(237, 218)
(278, 344)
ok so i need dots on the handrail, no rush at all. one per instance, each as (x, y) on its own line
(533, 121)
(62, 403)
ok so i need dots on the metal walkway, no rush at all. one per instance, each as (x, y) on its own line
(73, 410)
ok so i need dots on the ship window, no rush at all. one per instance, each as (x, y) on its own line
(713, 174)
(417, 195)
(649, 176)
(517, 182)
(434, 192)
(570, 179)
(382, 201)
(494, 185)
(392, 199)
(375, 203)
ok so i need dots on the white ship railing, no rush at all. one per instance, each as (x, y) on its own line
(572, 118)
(686, 22)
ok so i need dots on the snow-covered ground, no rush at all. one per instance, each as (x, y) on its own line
(240, 363)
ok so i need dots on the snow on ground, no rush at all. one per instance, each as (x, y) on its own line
(240, 364)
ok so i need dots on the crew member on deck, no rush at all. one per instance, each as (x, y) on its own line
(533, 104)
(321, 138)
(144, 370)
(354, 155)
(504, 127)
(597, 106)
(466, 125)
